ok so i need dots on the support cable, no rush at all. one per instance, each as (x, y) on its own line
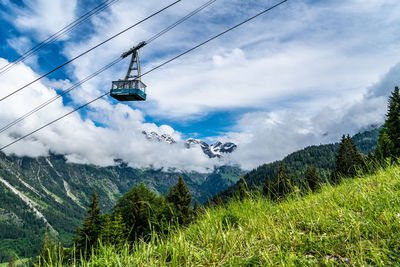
(87, 51)
(158, 35)
(157, 67)
(65, 30)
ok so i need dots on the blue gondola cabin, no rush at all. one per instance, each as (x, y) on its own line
(130, 90)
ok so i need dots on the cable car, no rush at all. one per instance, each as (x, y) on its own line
(131, 88)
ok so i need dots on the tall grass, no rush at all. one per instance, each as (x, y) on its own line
(354, 223)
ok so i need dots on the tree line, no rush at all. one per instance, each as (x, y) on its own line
(306, 170)
(349, 161)
(140, 212)
(136, 216)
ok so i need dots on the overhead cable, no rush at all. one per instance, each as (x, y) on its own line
(26, 115)
(89, 50)
(65, 30)
(157, 67)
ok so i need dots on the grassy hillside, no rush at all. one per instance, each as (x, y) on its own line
(357, 223)
(323, 157)
(61, 191)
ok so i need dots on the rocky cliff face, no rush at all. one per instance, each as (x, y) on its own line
(215, 150)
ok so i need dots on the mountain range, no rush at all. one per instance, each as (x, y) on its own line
(215, 150)
(49, 194)
(323, 157)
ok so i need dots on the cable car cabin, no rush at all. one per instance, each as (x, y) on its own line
(130, 90)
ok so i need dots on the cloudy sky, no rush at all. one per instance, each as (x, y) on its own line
(303, 74)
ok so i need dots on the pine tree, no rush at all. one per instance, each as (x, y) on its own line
(113, 230)
(138, 209)
(180, 196)
(312, 179)
(348, 160)
(88, 235)
(389, 135)
(283, 184)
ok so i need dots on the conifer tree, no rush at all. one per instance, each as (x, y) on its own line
(180, 196)
(389, 135)
(268, 189)
(283, 185)
(312, 179)
(348, 159)
(138, 209)
(113, 230)
(89, 233)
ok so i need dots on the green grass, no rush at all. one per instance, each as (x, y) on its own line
(17, 263)
(355, 223)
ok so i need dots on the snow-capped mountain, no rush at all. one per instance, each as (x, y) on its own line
(213, 151)
(153, 136)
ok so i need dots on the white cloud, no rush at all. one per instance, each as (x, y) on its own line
(84, 142)
(281, 57)
(313, 71)
(45, 17)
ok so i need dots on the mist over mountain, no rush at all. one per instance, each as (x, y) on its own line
(50, 194)
(216, 150)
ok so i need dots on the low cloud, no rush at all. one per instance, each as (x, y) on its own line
(311, 70)
(81, 140)
(265, 137)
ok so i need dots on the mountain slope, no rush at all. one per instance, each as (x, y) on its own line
(47, 193)
(323, 157)
(356, 223)
(216, 150)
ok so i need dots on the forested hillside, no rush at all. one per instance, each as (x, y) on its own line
(48, 193)
(355, 223)
(322, 157)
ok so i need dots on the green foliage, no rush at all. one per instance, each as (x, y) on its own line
(180, 196)
(113, 230)
(219, 202)
(51, 251)
(323, 157)
(311, 179)
(197, 210)
(242, 192)
(355, 223)
(139, 209)
(88, 235)
(389, 135)
(63, 190)
(282, 186)
(348, 160)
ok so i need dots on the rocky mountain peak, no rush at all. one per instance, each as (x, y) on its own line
(215, 150)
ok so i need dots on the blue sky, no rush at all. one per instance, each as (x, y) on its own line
(303, 74)
(212, 123)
